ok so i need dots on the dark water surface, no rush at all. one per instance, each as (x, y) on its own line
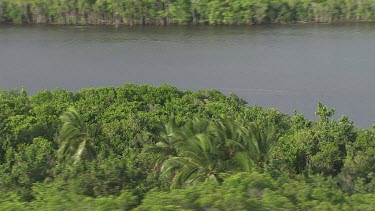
(287, 67)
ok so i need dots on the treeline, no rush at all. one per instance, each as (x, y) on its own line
(165, 12)
(160, 148)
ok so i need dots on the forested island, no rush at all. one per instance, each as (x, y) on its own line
(166, 12)
(160, 148)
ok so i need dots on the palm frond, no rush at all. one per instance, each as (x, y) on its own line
(74, 139)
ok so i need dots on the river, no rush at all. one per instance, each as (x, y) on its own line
(283, 66)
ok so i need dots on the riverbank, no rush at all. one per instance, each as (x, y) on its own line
(213, 12)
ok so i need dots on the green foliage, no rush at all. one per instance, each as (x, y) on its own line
(357, 175)
(317, 148)
(251, 191)
(160, 148)
(27, 164)
(55, 197)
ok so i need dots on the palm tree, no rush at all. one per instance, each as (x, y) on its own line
(198, 160)
(74, 139)
(232, 136)
(166, 146)
(260, 143)
(205, 151)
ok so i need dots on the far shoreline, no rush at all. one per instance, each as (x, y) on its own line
(271, 24)
(192, 24)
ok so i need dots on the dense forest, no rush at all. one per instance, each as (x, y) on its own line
(165, 12)
(159, 148)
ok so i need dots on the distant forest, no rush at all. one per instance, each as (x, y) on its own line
(167, 12)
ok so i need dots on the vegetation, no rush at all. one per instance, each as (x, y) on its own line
(164, 12)
(160, 148)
